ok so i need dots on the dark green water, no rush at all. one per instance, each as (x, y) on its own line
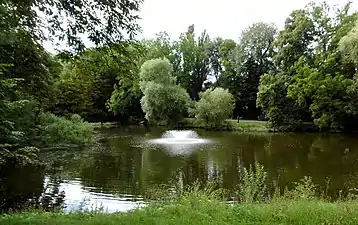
(126, 167)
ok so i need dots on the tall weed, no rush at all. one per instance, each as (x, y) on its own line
(252, 187)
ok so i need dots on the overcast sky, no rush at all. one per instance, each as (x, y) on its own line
(224, 18)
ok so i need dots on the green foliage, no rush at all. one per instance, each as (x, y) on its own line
(314, 83)
(99, 81)
(331, 99)
(282, 112)
(214, 107)
(33, 81)
(195, 54)
(305, 189)
(231, 125)
(16, 123)
(163, 102)
(294, 41)
(61, 132)
(252, 187)
(157, 71)
(348, 45)
(99, 22)
(205, 212)
(253, 59)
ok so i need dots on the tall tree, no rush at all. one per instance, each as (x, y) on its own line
(294, 41)
(195, 61)
(254, 58)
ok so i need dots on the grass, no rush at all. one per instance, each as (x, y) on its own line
(232, 125)
(202, 206)
(205, 212)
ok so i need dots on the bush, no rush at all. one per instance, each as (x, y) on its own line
(59, 131)
(214, 107)
(164, 102)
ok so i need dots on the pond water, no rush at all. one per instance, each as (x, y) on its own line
(126, 167)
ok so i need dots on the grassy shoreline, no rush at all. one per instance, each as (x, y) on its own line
(206, 211)
(231, 125)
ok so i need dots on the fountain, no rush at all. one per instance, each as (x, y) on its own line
(180, 141)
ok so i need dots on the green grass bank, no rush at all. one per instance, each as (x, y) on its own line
(204, 212)
(232, 125)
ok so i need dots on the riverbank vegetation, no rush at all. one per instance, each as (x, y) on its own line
(206, 204)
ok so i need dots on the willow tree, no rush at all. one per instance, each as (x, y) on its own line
(163, 102)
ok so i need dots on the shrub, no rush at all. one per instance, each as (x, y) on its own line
(59, 131)
(214, 107)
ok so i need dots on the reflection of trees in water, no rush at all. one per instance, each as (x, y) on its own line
(52, 198)
(123, 168)
(291, 157)
(286, 157)
(116, 169)
(23, 188)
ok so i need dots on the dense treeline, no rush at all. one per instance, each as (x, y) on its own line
(303, 74)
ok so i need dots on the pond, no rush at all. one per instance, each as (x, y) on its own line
(124, 167)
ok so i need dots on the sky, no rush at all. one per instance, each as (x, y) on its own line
(224, 18)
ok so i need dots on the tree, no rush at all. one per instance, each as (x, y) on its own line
(294, 41)
(75, 88)
(253, 58)
(125, 99)
(329, 97)
(216, 66)
(195, 61)
(227, 53)
(89, 81)
(163, 102)
(214, 107)
(32, 65)
(313, 83)
(101, 22)
(282, 112)
(348, 46)
(13, 139)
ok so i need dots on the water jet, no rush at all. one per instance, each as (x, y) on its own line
(180, 141)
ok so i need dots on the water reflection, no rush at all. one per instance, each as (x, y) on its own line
(125, 170)
(23, 188)
(79, 197)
